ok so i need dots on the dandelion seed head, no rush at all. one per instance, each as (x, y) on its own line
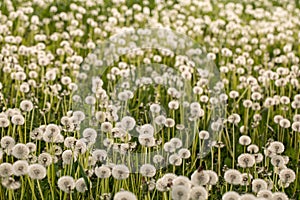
(37, 171)
(66, 183)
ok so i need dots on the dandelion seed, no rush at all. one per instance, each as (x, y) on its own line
(180, 192)
(45, 159)
(213, 177)
(161, 185)
(128, 123)
(276, 147)
(120, 172)
(66, 183)
(198, 193)
(26, 105)
(99, 155)
(106, 127)
(175, 160)
(252, 148)
(80, 185)
(10, 183)
(279, 196)
(124, 195)
(176, 142)
(231, 195)
(103, 172)
(266, 194)
(244, 140)
(68, 156)
(247, 197)
(184, 153)
(233, 176)
(20, 168)
(7, 142)
(200, 178)
(259, 184)
(20, 151)
(6, 169)
(203, 135)
(169, 122)
(277, 161)
(287, 175)
(148, 170)
(36, 171)
(246, 160)
(18, 119)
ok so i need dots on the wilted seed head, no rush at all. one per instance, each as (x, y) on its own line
(36, 171)
(20, 168)
(233, 176)
(120, 172)
(124, 195)
(244, 140)
(180, 192)
(66, 183)
(231, 195)
(103, 171)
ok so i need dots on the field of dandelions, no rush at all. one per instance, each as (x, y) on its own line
(147, 143)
